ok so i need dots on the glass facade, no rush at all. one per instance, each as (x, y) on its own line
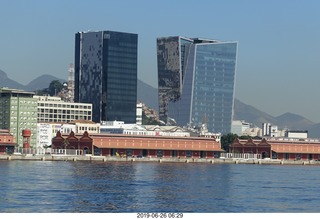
(106, 74)
(170, 55)
(207, 70)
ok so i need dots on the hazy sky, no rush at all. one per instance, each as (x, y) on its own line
(278, 67)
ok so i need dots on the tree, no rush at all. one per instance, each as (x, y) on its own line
(148, 121)
(244, 137)
(55, 87)
(41, 92)
(226, 140)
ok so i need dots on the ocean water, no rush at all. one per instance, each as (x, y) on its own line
(125, 187)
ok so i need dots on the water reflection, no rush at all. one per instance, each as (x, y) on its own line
(56, 186)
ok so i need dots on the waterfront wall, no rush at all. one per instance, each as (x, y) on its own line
(74, 158)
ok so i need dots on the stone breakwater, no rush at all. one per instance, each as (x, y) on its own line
(73, 158)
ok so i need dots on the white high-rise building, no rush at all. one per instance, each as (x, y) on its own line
(266, 129)
(70, 95)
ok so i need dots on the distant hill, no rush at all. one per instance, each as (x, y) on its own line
(7, 82)
(40, 82)
(250, 114)
(149, 95)
(285, 121)
(314, 131)
(293, 121)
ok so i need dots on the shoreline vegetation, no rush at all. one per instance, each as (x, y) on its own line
(73, 158)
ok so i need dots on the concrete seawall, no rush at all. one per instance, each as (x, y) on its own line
(31, 157)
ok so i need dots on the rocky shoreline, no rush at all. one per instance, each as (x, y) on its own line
(30, 157)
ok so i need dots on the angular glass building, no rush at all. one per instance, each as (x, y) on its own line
(196, 81)
(105, 70)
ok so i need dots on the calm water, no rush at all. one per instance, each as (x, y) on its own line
(57, 186)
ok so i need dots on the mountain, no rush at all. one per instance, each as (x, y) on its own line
(251, 114)
(314, 131)
(294, 121)
(7, 82)
(39, 83)
(148, 95)
(297, 122)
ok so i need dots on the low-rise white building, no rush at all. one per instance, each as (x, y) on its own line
(274, 131)
(119, 127)
(156, 130)
(252, 132)
(238, 127)
(297, 134)
(53, 109)
(84, 125)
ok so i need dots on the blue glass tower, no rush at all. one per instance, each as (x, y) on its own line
(196, 80)
(106, 74)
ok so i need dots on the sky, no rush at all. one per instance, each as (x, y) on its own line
(278, 67)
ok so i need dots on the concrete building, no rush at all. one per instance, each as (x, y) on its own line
(270, 130)
(18, 111)
(253, 132)
(239, 127)
(53, 109)
(105, 71)
(274, 131)
(85, 126)
(173, 131)
(139, 114)
(266, 129)
(236, 127)
(296, 134)
(196, 80)
(70, 94)
(119, 127)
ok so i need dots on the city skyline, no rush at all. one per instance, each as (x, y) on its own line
(277, 68)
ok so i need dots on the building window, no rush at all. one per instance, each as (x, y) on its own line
(286, 156)
(129, 152)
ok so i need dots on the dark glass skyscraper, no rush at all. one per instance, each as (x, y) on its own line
(196, 79)
(105, 72)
